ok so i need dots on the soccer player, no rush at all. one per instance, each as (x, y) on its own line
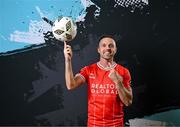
(109, 87)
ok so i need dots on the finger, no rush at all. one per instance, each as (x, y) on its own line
(69, 53)
(119, 76)
(64, 44)
(68, 50)
(68, 46)
(110, 65)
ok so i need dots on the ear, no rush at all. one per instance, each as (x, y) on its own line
(115, 50)
(98, 50)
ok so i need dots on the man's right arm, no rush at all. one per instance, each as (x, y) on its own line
(71, 80)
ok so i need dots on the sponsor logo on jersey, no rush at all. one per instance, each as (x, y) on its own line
(103, 89)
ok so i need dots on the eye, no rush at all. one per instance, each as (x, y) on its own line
(111, 45)
(103, 45)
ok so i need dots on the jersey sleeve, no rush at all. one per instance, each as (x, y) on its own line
(127, 79)
(83, 73)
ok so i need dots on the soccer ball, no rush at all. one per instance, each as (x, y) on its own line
(64, 29)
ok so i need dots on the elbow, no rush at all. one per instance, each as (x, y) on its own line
(70, 86)
(128, 103)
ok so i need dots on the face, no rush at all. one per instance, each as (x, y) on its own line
(107, 48)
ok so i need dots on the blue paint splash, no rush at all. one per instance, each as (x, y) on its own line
(21, 21)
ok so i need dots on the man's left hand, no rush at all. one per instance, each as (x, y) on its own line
(114, 76)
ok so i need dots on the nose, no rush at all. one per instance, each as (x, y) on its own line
(108, 48)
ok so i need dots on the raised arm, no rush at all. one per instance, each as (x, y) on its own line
(71, 80)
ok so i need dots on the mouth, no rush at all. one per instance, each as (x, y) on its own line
(107, 54)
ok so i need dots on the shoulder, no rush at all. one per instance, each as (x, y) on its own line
(124, 72)
(122, 68)
(89, 67)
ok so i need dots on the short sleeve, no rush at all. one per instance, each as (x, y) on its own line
(83, 73)
(127, 79)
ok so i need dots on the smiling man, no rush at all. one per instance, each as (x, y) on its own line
(109, 87)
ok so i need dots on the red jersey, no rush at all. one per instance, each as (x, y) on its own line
(104, 105)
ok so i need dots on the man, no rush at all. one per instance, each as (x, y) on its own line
(108, 84)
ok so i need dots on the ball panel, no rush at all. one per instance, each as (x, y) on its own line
(68, 25)
(58, 31)
(68, 36)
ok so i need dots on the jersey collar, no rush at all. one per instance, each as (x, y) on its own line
(106, 68)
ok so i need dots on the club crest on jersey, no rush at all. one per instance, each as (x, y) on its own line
(92, 76)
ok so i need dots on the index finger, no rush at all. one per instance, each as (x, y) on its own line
(65, 44)
(109, 64)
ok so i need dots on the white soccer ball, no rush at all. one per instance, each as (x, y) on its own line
(64, 29)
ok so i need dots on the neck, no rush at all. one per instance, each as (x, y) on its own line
(104, 62)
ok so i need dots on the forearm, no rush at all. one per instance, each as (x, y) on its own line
(69, 76)
(124, 93)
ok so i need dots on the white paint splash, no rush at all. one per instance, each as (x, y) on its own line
(39, 11)
(43, 13)
(87, 3)
(34, 35)
(81, 18)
